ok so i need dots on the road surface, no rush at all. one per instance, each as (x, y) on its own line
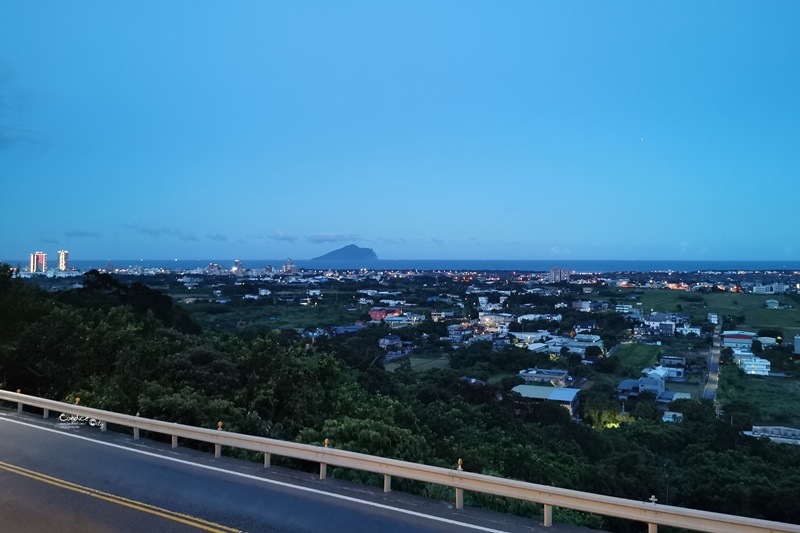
(53, 478)
(710, 390)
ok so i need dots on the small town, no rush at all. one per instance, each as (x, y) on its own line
(656, 337)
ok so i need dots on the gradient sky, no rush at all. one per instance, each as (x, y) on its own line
(421, 129)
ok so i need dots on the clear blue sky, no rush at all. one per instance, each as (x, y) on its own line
(421, 129)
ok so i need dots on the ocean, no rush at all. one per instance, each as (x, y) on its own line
(518, 265)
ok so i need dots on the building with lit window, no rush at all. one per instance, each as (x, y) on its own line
(558, 275)
(63, 260)
(38, 262)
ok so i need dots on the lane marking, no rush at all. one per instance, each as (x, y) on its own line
(263, 480)
(119, 500)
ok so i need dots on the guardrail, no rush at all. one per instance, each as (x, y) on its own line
(651, 513)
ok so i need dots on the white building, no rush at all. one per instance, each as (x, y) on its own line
(737, 339)
(772, 288)
(686, 329)
(755, 366)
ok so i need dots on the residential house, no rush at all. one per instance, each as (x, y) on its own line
(585, 326)
(779, 434)
(389, 341)
(459, 332)
(686, 329)
(755, 366)
(379, 313)
(564, 396)
(737, 339)
(554, 376)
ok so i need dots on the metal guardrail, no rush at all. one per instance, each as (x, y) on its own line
(651, 513)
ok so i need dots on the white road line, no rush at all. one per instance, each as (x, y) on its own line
(3, 417)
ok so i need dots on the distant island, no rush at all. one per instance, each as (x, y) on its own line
(351, 252)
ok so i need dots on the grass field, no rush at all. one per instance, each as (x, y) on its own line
(637, 356)
(777, 399)
(752, 306)
(421, 363)
(275, 316)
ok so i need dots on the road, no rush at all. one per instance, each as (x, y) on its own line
(53, 478)
(710, 390)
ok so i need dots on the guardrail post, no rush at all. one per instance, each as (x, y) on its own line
(323, 468)
(19, 404)
(135, 433)
(103, 425)
(266, 460)
(652, 528)
(46, 413)
(387, 483)
(460, 492)
(218, 447)
(174, 441)
(548, 515)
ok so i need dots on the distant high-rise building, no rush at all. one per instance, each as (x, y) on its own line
(63, 260)
(289, 268)
(558, 274)
(38, 262)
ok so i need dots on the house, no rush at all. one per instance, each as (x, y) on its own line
(672, 360)
(548, 317)
(686, 329)
(379, 313)
(585, 326)
(779, 434)
(458, 332)
(653, 380)
(755, 366)
(554, 376)
(737, 339)
(566, 397)
(713, 318)
(340, 330)
(672, 416)
(529, 337)
(438, 316)
(674, 366)
(389, 341)
(398, 321)
(772, 288)
(582, 305)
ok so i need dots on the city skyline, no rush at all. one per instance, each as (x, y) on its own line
(625, 130)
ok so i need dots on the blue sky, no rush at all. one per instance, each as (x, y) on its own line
(423, 130)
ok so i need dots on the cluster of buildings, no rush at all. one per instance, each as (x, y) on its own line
(38, 262)
(653, 380)
(741, 343)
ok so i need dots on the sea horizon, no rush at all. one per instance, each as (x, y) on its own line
(518, 265)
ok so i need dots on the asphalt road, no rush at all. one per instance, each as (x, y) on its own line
(61, 479)
(710, 390)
